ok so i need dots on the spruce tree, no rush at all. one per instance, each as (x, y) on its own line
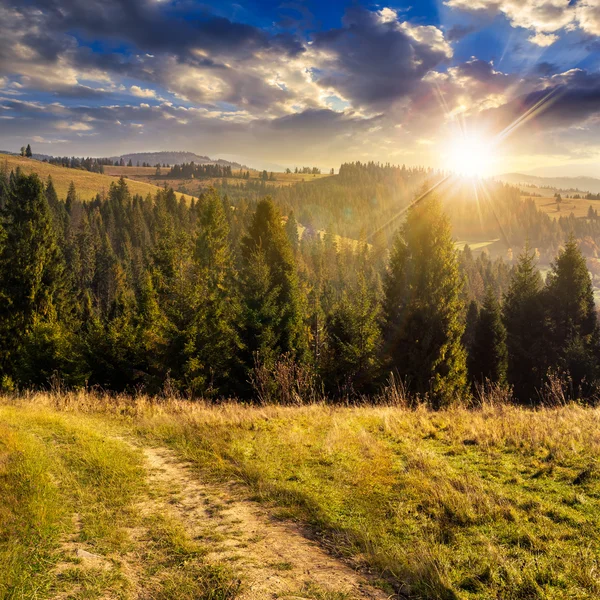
(524, 319)
(572, 315)
(32, 273)
(423, 309)
(213, 338)
(488, 357)
(291, 230)
(266, 252)
(353, 341)
(71, 197)
(28, 152)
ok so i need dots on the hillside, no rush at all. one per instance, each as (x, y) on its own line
(581, 184)
(87, 184)
(107, 497)
(173, 158)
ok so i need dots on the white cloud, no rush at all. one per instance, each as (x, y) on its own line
(65, 125)
(141, 92)
(588, 15)
(543, 39)
(541, 16)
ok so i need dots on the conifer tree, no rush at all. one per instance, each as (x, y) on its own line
(488, 357)
(291, 230)
(71, 197)
(353, 340)
(213, 339)
(32, 273)
(572, 314)
(267, 255)
(524, 318)
(423, 309)
(28, 152)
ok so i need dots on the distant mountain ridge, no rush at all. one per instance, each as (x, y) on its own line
(572, 184)
(175, 158)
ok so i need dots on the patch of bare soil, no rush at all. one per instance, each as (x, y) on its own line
(273, 558)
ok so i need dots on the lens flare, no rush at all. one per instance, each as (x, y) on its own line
(470, 156)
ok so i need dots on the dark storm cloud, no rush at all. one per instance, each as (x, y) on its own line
(569, 99)
(377, 61)
(152, 27)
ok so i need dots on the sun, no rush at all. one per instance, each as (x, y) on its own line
(470, 156)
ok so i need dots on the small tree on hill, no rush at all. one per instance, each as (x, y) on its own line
(28, 152)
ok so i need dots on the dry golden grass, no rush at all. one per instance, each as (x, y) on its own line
(196, 186)
(87, 184)
(578, 206)
(496, 502)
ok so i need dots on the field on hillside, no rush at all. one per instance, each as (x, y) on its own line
(578, 206)
(108, 497)
(87, 184)
(195, 186)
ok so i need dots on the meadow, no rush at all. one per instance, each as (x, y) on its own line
(196, 186)
(86, 183)
(496, 501)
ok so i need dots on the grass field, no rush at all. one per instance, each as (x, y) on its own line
(87, 184)
(498, 502)
(578, 206)
(195, 186)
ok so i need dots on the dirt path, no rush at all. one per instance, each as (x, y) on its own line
(273, 559)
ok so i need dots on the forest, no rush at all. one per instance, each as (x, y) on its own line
(213, 298)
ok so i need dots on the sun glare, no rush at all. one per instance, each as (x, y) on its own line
(470, 156)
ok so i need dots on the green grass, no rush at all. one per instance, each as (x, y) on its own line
(67, 481)
(500, 502)
(497, 503)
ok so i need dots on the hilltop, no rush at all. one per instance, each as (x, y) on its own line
(87, 184)
(173, 158)
(571, 184)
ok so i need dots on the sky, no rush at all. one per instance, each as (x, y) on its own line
(511, 84)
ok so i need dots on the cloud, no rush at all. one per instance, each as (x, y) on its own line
(543, 39)
(142, 93)
(375, 59)
(566, 101)
(544, 17)
(588, 15)
(458, 32)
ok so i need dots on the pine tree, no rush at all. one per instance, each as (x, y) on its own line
(488, 357)
(32, 273)
(213, 339)
(291, 230)
(71, 197)
(524, 319)
(267, 255)
(353, 340)
(28, 152)
(572, 314)
(423, 308)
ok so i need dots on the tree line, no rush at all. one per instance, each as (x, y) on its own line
(217, 300)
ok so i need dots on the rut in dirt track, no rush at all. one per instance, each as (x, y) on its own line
(272, 558)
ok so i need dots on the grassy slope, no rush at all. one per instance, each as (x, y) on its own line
(196, 186)
(496, 503)
(578, 206)
(66, 482)
(500, 503)
(87, 184)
